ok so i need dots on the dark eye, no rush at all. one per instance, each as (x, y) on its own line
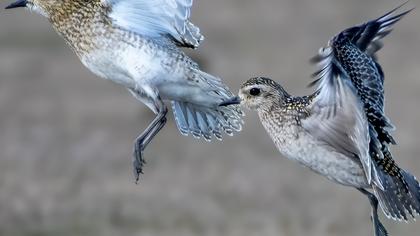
(255, 91)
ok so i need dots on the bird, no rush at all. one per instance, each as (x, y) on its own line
(340, 131)
(137, 44)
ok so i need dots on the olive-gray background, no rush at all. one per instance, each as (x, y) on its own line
(66, 136)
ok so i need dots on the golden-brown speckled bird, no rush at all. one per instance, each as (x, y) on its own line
(136, 43)
(341, 131)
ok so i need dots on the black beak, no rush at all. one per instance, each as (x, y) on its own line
(231, 101)
(19, 3)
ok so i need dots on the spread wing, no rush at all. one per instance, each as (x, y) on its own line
(348, 112)
(337, 116)
(156, 18)
(350, 99)
(367, 37)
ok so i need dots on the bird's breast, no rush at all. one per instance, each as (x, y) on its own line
(118, 54)
(134, 63)
(294, 143)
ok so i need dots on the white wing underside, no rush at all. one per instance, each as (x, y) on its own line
(337, 115)
(155, 18)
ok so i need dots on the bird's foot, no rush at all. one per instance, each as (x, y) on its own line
(379, 228)
(144, 139)
(138, 162)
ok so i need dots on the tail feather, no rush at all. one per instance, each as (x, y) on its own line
(180, 118)
(214, 127)
(206, 122)
(203, 125)
(193, 125)
(400, 196)
(209, 120)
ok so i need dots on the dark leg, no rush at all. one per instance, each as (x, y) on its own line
(144, 139)
(378, 228)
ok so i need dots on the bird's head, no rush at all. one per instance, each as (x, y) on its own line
(49, 7)
(259, 93)
(43, 7)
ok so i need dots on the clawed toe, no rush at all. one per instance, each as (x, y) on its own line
(138, 163)
(144, 139)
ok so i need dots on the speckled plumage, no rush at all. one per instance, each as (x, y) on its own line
(136, 43)
(282, 116)
(351, 54)
(341, 131)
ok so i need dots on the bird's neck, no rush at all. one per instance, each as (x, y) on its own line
(78, 22)
(290, 110)
(275, 112)
(70, 10)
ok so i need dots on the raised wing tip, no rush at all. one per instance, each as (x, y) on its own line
(323, 53)
(391, 17)
(395, 9)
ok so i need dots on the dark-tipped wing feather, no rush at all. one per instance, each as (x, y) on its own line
(353, 49)
(349, 64)
(156, 18)
(337, 115)
(351, 89)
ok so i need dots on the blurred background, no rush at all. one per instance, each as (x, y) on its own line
(66, 136)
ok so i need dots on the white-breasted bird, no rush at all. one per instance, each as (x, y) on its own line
(341, 131)
(136, 43)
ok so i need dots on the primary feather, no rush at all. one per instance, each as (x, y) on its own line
(349, 62)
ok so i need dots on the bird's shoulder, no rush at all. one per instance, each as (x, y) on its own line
(292, 109)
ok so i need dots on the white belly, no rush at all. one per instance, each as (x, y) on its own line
(132, 67)
(108, 65)
(155, 68)
(319, 157)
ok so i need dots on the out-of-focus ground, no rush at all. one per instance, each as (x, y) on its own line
(66, 136)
